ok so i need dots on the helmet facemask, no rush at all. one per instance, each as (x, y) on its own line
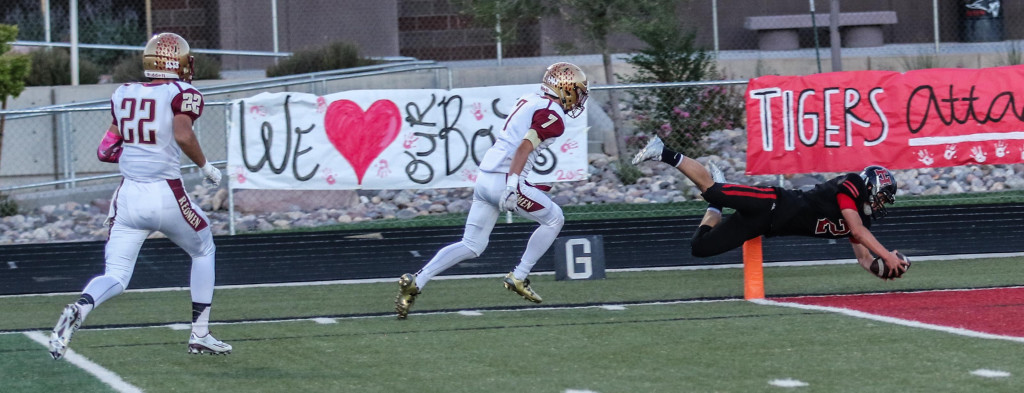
(881, 189)
(568, 85)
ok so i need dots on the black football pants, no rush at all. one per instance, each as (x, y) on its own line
(752, 218)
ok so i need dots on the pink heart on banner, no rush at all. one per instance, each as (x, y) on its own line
(361, 136)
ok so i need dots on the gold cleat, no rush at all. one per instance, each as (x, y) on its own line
(407, 291)
(522, 287)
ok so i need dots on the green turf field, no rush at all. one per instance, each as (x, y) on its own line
(658, 339)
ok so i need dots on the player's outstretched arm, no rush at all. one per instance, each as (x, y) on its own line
(868, 244)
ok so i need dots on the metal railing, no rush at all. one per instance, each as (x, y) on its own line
(317, 80)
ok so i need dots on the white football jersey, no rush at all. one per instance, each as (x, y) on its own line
(144, 114)
(532, 111)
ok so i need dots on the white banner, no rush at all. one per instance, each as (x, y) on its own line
(383, 139)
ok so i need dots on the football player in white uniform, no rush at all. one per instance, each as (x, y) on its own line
(501, 185)
(151, 127)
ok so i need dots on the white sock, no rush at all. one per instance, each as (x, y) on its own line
(444, 259)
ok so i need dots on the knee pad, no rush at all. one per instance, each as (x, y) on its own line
(477, 247)
(698, 247)
(119, 273)
(556, 219)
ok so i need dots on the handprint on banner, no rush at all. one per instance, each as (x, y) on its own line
(950, 152)
(478, 112)
(569, 145)
(1001, 149)
(469, 174)
(978, 154)
(382, 169)
(258, 111)
(239, 173)
(321, 105)
(328, 176)
(925, 157)
(410, 140)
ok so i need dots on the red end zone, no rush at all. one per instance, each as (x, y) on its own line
(995, 311)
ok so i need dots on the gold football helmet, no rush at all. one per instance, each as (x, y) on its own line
(567, 83)
(167, 56)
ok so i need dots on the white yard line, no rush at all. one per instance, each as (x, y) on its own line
(106, 376)
(471, 276)
(897, 321)
(466, 312)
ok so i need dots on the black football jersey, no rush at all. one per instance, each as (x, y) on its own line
(816, 212)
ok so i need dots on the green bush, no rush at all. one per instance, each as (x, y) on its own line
(52, 67)
(99, 21)
(8, 207)
(682, 116)
(333, 56)
(130, 69)
(627, 172)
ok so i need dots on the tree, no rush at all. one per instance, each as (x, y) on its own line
(14, 70)
(682, 116)
(595, 20)
(506, 14)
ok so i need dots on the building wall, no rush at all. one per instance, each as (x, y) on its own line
(302, 24)
(435, 30)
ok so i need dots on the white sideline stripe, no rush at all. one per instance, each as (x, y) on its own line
(614, 307)
(325, 321)
(897, 321)
(461, 312)
(547, 273)
(990, 373)
(910, 291)
(787, 383)
(471, 313)
(106, 376)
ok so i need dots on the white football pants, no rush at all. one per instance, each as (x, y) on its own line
(534, 204)
(138, 210)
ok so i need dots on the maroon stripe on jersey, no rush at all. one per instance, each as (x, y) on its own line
(193, 219)
(852, 188)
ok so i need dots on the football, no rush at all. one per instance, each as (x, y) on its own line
(879, 268)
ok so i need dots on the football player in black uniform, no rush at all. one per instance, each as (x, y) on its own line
(839, 208)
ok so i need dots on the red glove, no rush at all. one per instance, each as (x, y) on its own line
(110, 147)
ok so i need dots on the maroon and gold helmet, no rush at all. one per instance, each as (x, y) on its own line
(168, 56)
(568, 84)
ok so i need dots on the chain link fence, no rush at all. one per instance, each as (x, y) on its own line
(781, 36)
(63, 193)
(54, 190)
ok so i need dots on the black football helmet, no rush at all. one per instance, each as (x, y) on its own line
(881, 189)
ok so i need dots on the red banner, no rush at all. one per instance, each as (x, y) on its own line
(844, 121)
